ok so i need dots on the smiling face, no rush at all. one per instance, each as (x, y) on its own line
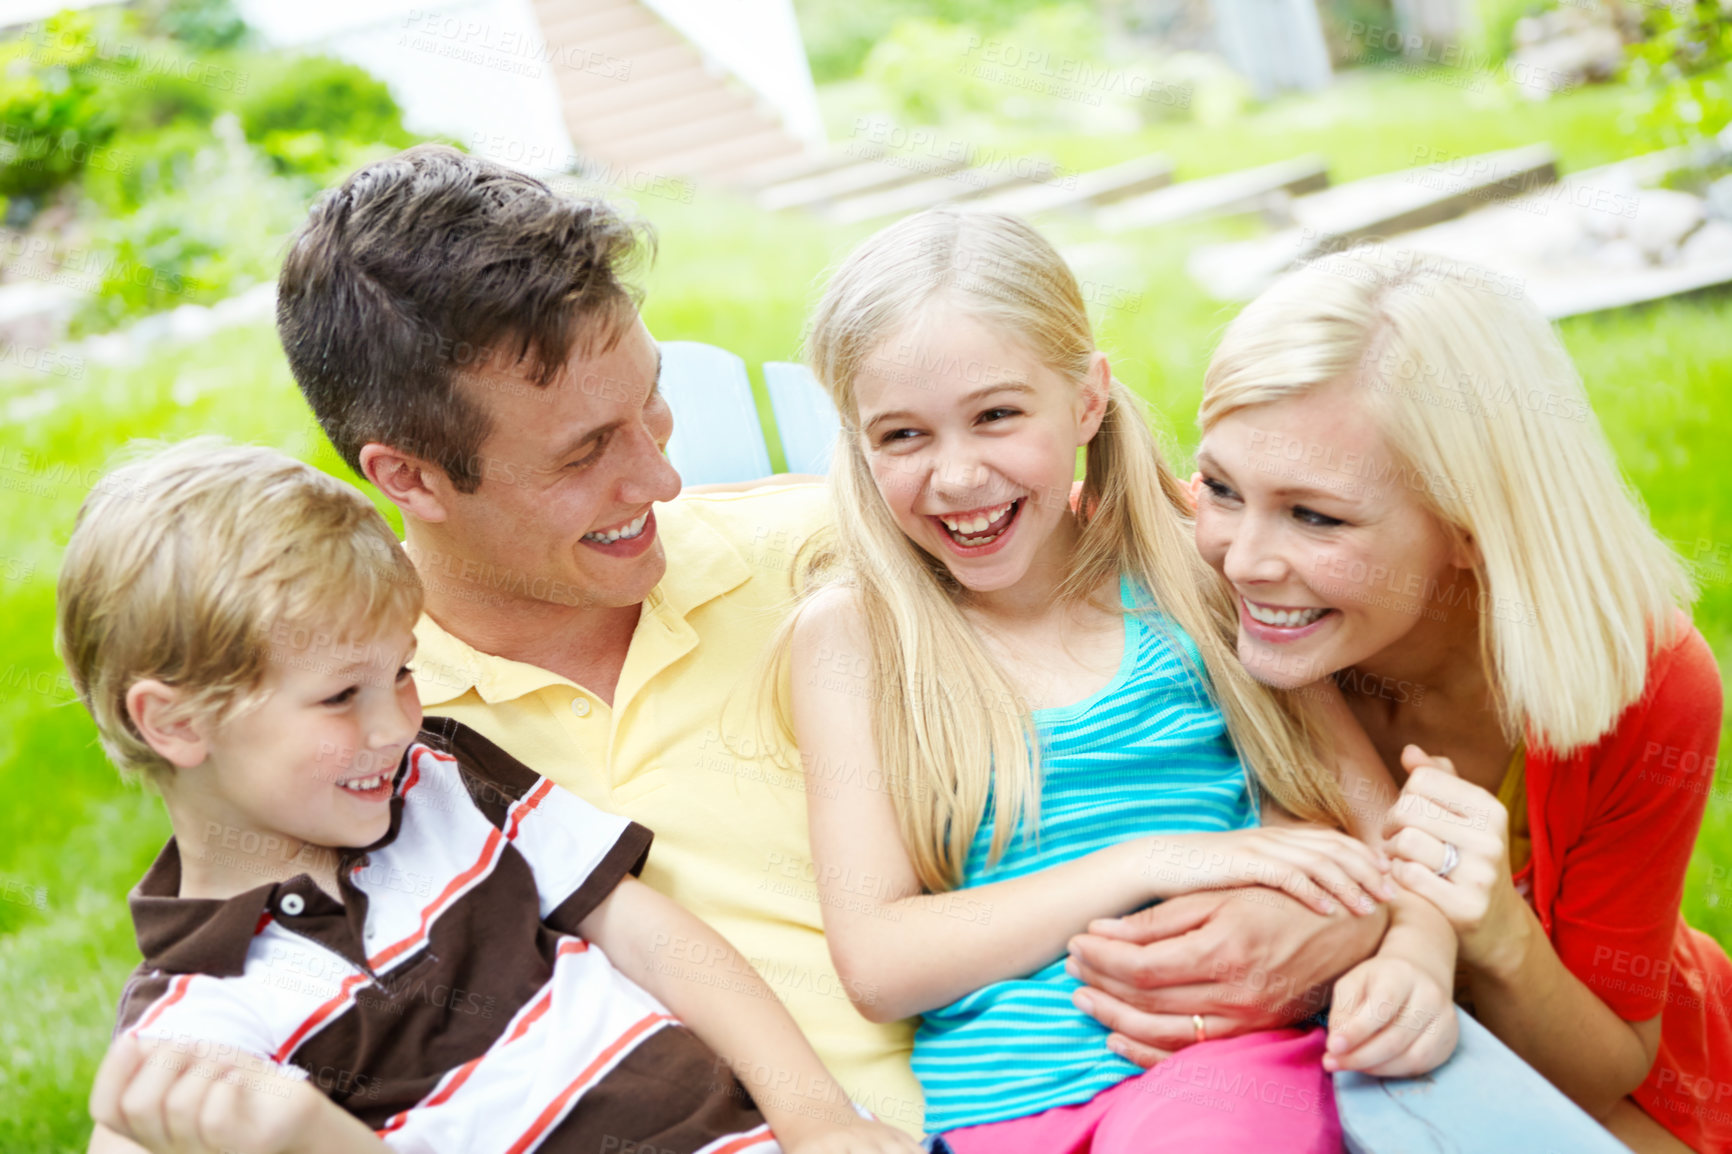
(310, 767)
(1331, 551)
(568, 476)
(972, 443)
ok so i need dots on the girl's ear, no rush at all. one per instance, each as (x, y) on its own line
(1095, 393)
(154, 710)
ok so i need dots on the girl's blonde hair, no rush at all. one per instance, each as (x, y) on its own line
(953, 737)
(193, 564)
(1488, 423)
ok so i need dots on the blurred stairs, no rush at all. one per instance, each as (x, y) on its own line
(638, 96)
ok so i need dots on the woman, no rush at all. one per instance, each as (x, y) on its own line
(1402, 479)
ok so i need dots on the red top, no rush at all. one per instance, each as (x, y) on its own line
(1613, 826)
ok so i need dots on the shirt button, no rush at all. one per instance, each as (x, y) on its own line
(580, 706)
(292, 904)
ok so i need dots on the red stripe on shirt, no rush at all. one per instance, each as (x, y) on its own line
(489, 853)
(525, 1019)
(751, 1138)
(345, 993)
(525, 807)
(551, 1113)
(176, 991)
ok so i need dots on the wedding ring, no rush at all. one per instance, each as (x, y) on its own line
(1451, 859)
(1197, 1021)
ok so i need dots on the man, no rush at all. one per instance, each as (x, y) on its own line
(470, 344)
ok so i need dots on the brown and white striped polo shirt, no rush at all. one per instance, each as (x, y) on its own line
(447, 1001)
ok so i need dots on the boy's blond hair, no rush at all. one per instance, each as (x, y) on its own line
(186, 565)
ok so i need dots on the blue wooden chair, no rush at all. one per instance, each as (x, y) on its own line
(716, 433)
(804, 415)
(1483, 1099)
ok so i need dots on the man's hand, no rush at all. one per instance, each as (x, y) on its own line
(1244, 959)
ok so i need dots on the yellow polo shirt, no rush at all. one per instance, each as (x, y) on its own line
(680, 751)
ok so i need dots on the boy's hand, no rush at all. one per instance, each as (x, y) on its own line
(864, 1137)
(1390, 1018)
(171, 1102)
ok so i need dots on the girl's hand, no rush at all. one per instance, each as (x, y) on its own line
(170, 1102)
(1310, 864)
(1437, 808)
(864, 1137)
(1390, 1018)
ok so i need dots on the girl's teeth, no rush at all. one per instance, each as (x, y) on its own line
(625, 534)
(978, 522)
(1286, 618)
(365, 784)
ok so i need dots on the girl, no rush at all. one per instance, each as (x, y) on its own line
(1016, 718)
(1454, 455)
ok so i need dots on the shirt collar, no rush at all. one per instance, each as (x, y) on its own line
(212, 935)
(702, 564)
(193, 935)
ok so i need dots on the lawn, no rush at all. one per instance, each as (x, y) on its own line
(73, 841)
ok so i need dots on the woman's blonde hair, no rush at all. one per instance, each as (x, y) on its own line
(1488, 423)
(190, 565)
(953, 736)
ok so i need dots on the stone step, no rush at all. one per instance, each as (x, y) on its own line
(640, 92)
(1600, 239)
(809, 163)
(680, 135)
(707, 161)
(615, 76)
(966, 184)
(1228, 192)
(1096, 187)
(638, 98)
(868, 176)
(628, 122)
(566, 25)
(1377, 206)
(629, 41)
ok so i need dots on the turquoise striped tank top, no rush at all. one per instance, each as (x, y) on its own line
(1148, 754)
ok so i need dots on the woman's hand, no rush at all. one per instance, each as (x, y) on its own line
(1310, 864)
(1437, 808)
(1390, 1018)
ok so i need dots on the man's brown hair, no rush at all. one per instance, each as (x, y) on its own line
(433, 263)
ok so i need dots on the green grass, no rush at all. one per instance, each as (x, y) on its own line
(734, 277)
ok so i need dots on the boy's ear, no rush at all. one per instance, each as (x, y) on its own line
(154, 710)
(420, 489)
(1096, 389)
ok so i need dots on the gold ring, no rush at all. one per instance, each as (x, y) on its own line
(1197, 1021)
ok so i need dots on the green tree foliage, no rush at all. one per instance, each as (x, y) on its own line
(1685, 58)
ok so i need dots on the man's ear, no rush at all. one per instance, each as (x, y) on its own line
(420, 489)
(154, 710)
(1096, 389)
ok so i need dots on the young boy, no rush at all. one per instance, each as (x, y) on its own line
(365, 934)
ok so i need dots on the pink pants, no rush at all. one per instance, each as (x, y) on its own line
(1247, 1095)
